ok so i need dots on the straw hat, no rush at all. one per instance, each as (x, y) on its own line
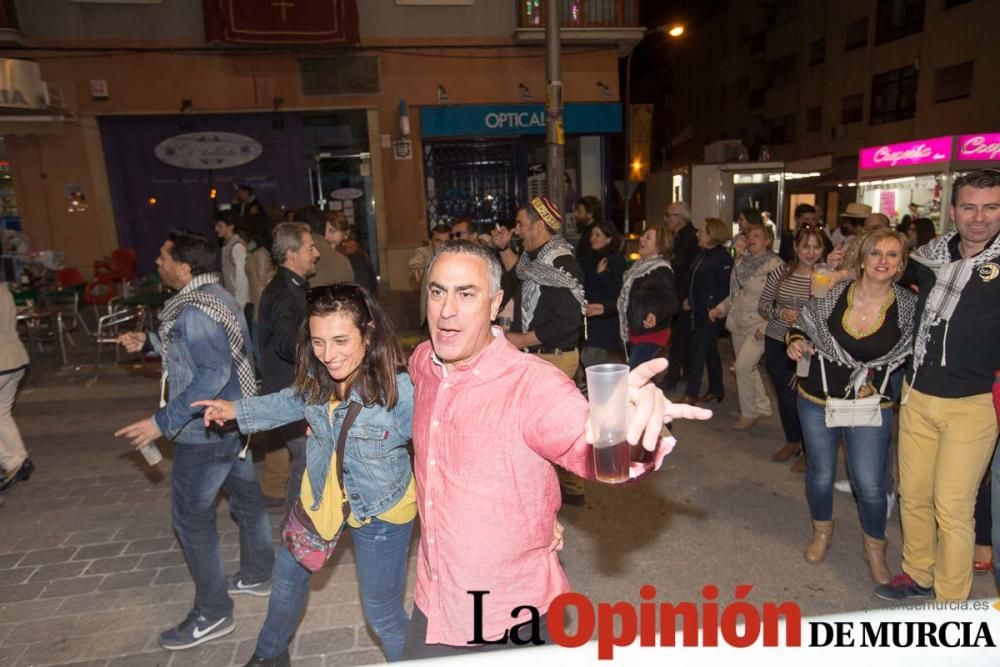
(856, 210)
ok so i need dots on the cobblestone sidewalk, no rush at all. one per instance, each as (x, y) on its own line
(90, 570)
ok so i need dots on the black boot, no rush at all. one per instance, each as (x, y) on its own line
(281, 661)
(22, 474)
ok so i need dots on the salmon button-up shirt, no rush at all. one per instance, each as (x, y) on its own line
(485, 435)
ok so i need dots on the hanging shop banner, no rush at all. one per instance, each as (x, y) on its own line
(910, 153)
(482, 120)
(980, 147)
(208, 150)
(282, 21)
(21, 85)
(640, 129)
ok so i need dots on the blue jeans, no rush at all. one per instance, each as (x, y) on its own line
(705, 353)
(641, 353)
(867, 450)
(380, 550)
(200, 472)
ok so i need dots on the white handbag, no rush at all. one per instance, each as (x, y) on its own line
(852, 412)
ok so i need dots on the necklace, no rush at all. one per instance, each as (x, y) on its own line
(878, 321)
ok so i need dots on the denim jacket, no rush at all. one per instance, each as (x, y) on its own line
(377, 466)
(199, 366)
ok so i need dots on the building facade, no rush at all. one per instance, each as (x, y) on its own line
(402, 113)
(798, 80)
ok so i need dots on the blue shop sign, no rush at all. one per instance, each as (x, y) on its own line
(477, 120)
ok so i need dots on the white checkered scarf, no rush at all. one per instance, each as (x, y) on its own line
(215, 308)
(542, 273)
(951, 277)
(814, 321)
(640, 269)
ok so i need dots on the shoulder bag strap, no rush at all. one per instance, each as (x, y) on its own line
(352, 412)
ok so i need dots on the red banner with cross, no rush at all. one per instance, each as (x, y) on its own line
(282, 21)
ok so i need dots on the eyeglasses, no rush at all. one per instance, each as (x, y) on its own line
(340, 292)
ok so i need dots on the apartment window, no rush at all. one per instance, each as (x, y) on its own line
(758, 42)
(817, 51)
(757, 98)
(8, 15)
(814, 119)
(896, 19)
(783, 71)
(783, 11)
(954, 82)
(851, 110)
(780, 130)
(894, 95)
(856, 34)
(743, 86)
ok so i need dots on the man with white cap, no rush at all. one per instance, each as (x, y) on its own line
(851, 221)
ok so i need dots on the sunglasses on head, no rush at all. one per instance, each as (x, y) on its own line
(339, 292)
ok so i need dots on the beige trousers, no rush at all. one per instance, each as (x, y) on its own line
(567, 362)
(12, 451)
(749, 351)
(945, 445)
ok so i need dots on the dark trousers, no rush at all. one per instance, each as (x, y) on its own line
(297, 449)
(417, 647)
(984, 513)
(679, 355)
(705, 354)
(782, 371)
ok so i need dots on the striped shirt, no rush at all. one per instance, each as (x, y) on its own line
(791, 292)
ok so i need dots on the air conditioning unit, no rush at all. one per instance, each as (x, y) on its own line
(54, 98)
(731, 150)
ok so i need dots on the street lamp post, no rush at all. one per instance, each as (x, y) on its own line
(674, 31)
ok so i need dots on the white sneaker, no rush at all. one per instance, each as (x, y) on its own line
(843, 485)
(890, 502)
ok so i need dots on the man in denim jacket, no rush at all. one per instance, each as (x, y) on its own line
(204, 342)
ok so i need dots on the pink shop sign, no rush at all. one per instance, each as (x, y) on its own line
(979, 147)
(924, 151)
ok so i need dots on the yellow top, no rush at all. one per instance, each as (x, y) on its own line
(329, 516)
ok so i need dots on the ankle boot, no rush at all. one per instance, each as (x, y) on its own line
(874, 555)
(788, 451)
(820, 542)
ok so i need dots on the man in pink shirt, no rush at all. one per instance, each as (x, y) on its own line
(489, 421)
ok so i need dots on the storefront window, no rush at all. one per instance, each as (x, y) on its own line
(893, 197)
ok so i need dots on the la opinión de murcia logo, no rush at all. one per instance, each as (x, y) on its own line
(977, 146)
(738, 624)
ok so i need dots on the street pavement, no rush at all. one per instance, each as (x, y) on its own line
(90, 571)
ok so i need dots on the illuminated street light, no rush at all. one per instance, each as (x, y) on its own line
(676, 31)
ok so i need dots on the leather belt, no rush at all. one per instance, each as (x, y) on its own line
(548, 350)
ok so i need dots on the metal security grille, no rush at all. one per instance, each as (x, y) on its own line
(471, 179)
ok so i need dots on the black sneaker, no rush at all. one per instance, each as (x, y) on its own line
(281, 661)
(195, 630)
(901, 587)
(238, 587)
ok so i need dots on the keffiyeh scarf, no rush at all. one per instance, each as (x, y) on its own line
(951, 276)
(814, 319)
(640, 269)
(215, 308)
(543, 273)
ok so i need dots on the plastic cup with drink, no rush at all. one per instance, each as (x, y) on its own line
(822, 280)
(607, 390)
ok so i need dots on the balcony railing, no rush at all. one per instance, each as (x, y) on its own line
(581, 13)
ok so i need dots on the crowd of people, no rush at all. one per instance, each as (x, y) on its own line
(279, 329)
(337, 387)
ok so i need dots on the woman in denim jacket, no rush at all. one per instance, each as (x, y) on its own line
(348, 352)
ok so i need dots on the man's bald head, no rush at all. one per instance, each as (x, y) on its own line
(876, 221)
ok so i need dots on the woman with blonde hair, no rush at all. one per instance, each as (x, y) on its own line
(744, 321)
(854, 338)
